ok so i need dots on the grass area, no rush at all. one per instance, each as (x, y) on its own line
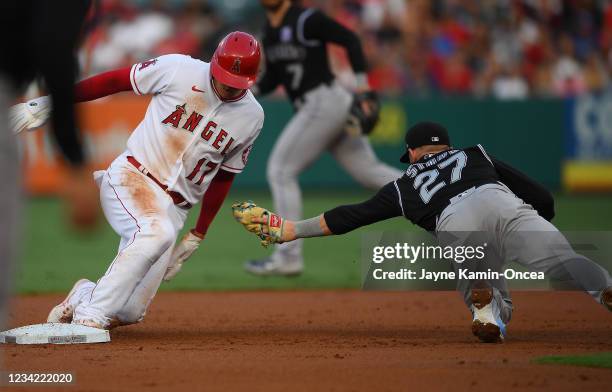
(600, 360)
(54, 257)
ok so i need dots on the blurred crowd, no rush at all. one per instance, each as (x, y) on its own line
(508, 49)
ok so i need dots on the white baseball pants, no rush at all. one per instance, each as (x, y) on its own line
(148, 223)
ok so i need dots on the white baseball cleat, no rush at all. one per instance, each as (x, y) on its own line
(486, 325)
(63, 312)
(274, 267)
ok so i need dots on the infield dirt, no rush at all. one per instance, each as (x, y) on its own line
(325, 340)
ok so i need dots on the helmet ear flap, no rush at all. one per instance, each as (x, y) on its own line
(236, 60)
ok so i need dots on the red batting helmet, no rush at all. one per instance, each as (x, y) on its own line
(236, 60)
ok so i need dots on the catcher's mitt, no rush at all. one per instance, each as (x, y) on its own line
(269, 232)
(364, 113)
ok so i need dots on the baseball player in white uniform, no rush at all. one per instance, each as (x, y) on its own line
(196, 135)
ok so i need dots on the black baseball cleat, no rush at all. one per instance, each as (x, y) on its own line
(486, 325)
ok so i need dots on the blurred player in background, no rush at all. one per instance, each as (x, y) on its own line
(39, 39)
(296, 57)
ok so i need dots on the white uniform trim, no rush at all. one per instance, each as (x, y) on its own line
(133, 80)
(399, 197)
(485, 154)
(300, 28)
(231, 169)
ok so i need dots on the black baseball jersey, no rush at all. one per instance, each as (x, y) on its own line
(296, 53)
(429, 184)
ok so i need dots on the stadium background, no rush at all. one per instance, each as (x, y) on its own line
(527, 79)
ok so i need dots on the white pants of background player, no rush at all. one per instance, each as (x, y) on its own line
(148, 223)
(318, 127)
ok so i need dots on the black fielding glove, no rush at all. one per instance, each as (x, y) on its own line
(364, 113)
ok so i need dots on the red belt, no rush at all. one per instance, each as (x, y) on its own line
(177, 198)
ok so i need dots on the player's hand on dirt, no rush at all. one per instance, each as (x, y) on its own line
(182, 252)
(265, 224)
(81, 199)
(29, 115)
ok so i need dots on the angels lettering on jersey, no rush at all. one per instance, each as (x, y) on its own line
(189, 133)
(193, 120)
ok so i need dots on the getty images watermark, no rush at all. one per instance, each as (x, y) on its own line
(441, 261)
(404, 252)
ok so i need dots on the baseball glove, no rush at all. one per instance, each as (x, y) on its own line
(269, 232)
(364, 113)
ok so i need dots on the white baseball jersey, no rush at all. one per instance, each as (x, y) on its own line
(188, 133)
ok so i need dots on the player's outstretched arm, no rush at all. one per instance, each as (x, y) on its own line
(292, 230)
(272, 228)
(35, 113)
(211, 203)
(103, 85)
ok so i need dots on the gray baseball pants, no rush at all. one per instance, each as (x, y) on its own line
(317, 127)
(514, 232)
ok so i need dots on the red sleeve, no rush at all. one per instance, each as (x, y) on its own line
(213, 199)
(104, 84)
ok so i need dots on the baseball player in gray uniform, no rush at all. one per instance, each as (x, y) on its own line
(296, 57)
(460, 195)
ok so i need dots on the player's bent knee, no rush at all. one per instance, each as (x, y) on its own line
(166, 237)
(159, 237)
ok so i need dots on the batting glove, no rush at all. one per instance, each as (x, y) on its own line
(183, 251)
(29, 115)
(267, 225)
